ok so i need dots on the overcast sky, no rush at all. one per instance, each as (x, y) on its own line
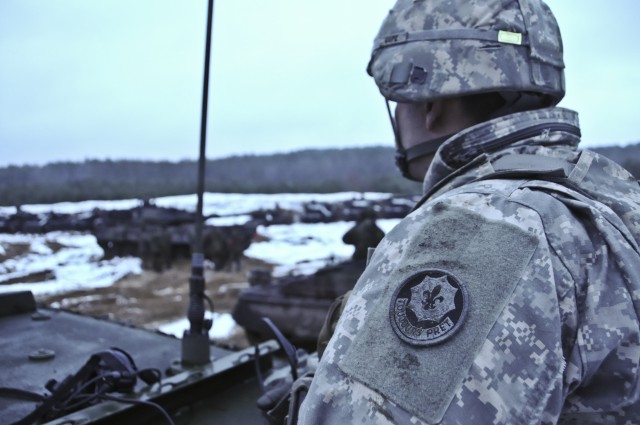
(98, 79)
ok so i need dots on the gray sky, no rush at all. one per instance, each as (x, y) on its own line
(99, 79)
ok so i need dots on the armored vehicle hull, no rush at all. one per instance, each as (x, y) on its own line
(48, 348)
(160, 236)
(297, 304)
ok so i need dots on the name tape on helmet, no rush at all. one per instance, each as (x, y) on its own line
(509, 37)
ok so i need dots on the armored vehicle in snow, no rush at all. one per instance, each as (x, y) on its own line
(297, 304)
(161, 235)
(62, 368)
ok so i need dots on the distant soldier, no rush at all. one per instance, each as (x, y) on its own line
(226, 245)
(363, 235)
(155, 249)
(240, 238)
(215, 248)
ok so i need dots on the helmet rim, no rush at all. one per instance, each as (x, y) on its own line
(420, 58)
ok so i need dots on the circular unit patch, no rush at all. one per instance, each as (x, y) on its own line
(428, 308)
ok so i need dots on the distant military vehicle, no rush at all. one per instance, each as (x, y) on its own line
(25, 222)
(64, 368)
(160, 236)
(61, 368)
(22, 222)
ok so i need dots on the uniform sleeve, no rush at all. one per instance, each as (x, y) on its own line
(456, 320)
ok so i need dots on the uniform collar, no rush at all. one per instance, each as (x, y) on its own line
(524, 131)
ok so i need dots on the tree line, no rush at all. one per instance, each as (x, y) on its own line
(306, 171)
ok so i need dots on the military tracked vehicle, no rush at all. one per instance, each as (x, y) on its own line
(62, 368)
(161, 235)
(297, 304)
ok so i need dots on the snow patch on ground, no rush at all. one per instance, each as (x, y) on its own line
(223, 326)
(75, 266)
(297, 248)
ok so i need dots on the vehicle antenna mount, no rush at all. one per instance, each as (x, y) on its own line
(195, 341)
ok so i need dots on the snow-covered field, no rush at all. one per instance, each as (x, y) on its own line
(222, 204)
(76, 264)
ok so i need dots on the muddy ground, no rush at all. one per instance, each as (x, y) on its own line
(151, 298)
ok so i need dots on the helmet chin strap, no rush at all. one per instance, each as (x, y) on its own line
(405, 156)
(513, 102)
(519, 102)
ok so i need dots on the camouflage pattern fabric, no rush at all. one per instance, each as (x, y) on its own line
(432, 49)
(565, 345)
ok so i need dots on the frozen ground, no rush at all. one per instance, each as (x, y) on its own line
(60, 262)
(65, 261)
(223, 204)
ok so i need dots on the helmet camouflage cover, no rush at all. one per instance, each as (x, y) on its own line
(430, 49)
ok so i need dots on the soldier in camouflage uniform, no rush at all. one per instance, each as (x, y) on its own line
(510, 295)
(363, 235)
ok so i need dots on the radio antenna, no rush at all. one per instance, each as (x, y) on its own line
(195, 341)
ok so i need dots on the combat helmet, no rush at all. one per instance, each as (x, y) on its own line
(427, 50)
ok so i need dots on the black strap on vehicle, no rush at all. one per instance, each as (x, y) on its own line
(299, 391)
(62, 391)
(275, 402)
(111, 370)
(18, 394)
(288, 348)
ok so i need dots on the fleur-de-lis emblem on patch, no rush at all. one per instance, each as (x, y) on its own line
(432, 298)
(429, 298)
(428, 307)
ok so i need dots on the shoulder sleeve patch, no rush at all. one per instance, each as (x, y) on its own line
(428, 308)
(419, 341)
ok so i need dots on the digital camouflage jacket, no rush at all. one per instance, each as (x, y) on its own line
(510, 295)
